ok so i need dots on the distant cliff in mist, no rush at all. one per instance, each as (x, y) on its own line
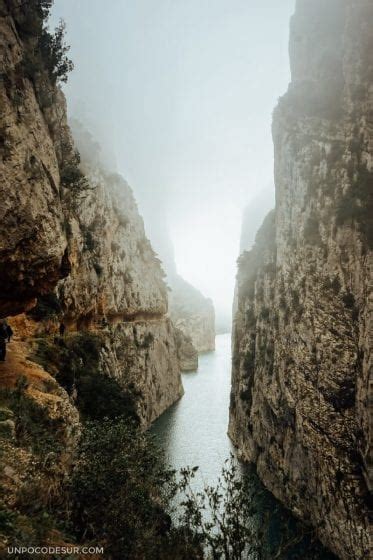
(253, 216)
(302, 371)
(191, 312)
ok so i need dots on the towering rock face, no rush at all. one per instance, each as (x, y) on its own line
(73, 255)
(32, 240)
(81, 236)
(302, 331)
(116, 288)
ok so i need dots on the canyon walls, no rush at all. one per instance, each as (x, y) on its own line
(302, 328)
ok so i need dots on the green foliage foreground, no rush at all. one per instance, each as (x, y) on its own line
(127, 499)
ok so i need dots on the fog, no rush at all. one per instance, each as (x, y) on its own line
(180, 94)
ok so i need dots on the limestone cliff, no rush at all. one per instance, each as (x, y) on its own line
(192, 313)
(116, 288)
(58, 223)
(32, 238)
(302, 330)
(188, 355)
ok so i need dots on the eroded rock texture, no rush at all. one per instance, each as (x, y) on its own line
(32, 241)
(302, 330)
(75, 242)
(188, 355)
(116, 288)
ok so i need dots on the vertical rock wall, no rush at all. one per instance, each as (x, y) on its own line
(302, 331)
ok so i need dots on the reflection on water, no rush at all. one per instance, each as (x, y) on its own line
(193, 432)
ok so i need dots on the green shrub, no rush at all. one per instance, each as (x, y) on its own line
(249, 362)
(90, 242)
(265, 314)
(245, 395)
(237, 519)
(349, 300)
(101, 397)
(250, 318)
(72, 177)
(54, 51)
(75, 362)
(336, 285)
(120, 489)
(35, 429)
(30, 21)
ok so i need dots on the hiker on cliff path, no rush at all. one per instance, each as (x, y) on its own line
(9, 331)
(3, 339)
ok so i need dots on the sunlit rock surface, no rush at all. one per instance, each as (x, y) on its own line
(302, 329)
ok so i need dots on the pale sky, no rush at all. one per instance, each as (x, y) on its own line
(180, 95)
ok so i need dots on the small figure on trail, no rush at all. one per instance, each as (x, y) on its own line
(9, 330)
(62, 329)
(3, 339)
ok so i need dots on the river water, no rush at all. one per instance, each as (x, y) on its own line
(193, 432)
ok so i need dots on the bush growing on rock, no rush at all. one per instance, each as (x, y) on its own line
(54, 49)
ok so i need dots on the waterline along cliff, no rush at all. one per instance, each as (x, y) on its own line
(302, 328)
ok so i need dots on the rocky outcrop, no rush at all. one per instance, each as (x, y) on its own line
(75, 241)
(73, 257)
(192, 313)
(116, 286)
(32, 239)
(188, 355)
(302, 330)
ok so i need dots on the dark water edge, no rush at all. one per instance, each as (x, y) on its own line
(193, 432)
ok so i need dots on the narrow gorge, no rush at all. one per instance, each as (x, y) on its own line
(301, 385)
(131, 426)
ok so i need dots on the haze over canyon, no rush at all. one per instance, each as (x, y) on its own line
(140, 221)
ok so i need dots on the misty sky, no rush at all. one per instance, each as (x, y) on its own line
(180, 95)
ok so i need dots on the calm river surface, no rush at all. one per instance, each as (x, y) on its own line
(194, 431)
